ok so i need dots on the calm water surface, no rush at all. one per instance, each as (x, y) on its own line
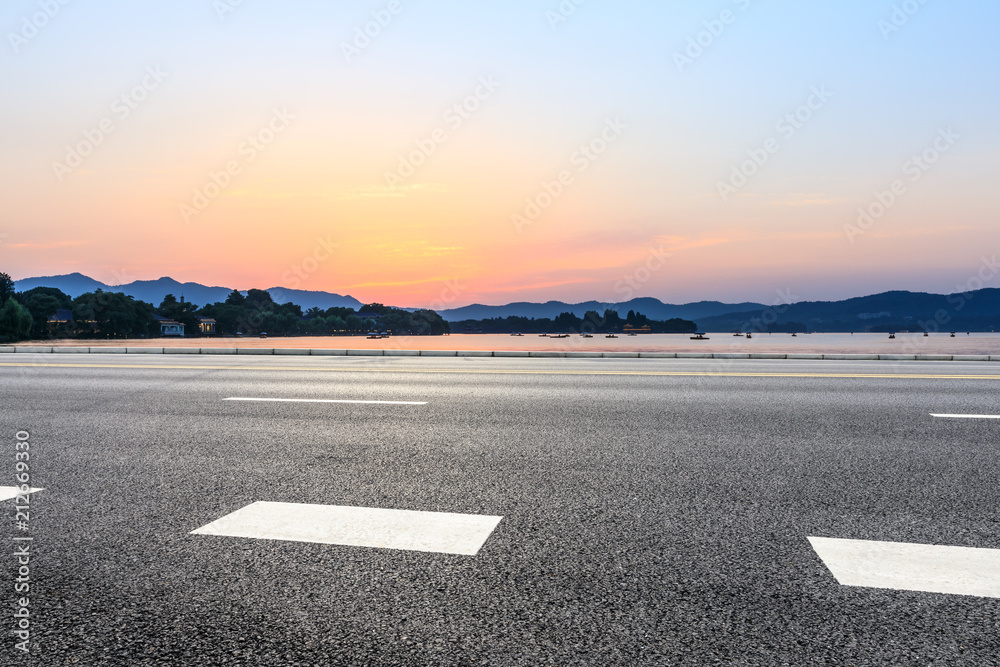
(868, 343)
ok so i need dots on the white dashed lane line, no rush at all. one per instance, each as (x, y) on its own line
(966, 416)
(436, 532)
(911, 567)
(326, 400)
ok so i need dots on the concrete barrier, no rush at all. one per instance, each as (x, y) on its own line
(730, 355)
(218, 350)
(30, 349)
(546, 353)
(510, 353)
(292, 350)
(769, 355)
(970, 357)
(621, 355)
(108, 350)
(328, 353)
(7, 348)
(254, 350)
(803, 356)
(144, 350)
(402, 353)
(657, 355)
(181, 350)
(365, 353)
(851, 357)
(584, 355)
(694, 355)
(475, 353)
(70, 350)
(897, 357)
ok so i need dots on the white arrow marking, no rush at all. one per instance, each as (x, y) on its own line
(8, 492)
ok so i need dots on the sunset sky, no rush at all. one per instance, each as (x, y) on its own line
(707, 150)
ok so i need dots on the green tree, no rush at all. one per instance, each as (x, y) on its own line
(113, 315)
(316, 325)
(259, 299)
(15, 321)
(43, 302)
(335, 323)
(6, 288)
(374, 308)
(290, 308)
(339, 311)
(637, 319)
(236, 298)
(353, 323)
(428, 322)
(612, 320)
(567, 322)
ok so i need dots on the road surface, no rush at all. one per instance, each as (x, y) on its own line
(644, 512)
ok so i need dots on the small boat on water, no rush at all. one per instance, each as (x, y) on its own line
(892, 335)
(748, 335)
(559, 336)
(611, 336)
(700, 336)
(517, 334)
(952, 334)
(588, 335)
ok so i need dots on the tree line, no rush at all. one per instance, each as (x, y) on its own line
(101, 314)
(591, 322)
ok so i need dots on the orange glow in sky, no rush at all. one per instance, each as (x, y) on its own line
(485, 155)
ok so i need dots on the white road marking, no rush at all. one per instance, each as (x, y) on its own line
(327, 400)
(966, 416)
(8, 492)
(436, 532)
(911, 567)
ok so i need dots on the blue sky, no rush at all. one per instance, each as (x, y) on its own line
(895, 75)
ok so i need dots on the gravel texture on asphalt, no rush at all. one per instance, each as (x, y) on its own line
(648, 519)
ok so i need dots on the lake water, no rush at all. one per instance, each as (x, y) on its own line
(833, 343)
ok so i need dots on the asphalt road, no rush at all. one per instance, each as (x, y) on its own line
(654, 512)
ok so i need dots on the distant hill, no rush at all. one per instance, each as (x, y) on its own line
(651, 308)
(153, 291)
(888, 311)
(309, 299)
(73, 284)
